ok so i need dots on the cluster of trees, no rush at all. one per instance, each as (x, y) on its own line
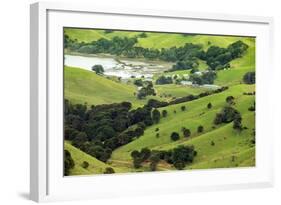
(102, 128)
(186, 64)
(146, 89)
(153, 103)
(218, 58)
(127, 47)
(179, 157)
(249, 78)
(205, 78)
(164, 80)
(194, 97)
(229, 114)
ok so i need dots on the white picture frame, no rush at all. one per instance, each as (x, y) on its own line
(46, 179)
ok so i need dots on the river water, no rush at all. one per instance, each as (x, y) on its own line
(124, 68)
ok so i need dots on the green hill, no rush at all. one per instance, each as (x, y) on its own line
(82, 86)
(153, 39)
(95, 166)
(195, 115)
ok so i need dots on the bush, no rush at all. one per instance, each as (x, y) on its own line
(98, 69)
(175, 136)
(249, 78)
(230, 100)
(183, 108)
(109, 170)
(156, 115)
(186, 132)
(226, 115)
(164, 80)
(200, 129)
(85, 164)
(209, 106)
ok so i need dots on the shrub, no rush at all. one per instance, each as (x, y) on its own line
(200, 129)
(183, 108)
(230, 100)
(156, 115)
(175, 136)
(109, 170)
(98, 69)
(209, 106)
(186, 132)
(249, 78)
(85, 164)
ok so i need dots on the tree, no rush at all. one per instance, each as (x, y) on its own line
(156, 115)
(230, 100)
(249, 78)
(182, 155)
(154, 161)
(183, 108)
(135, 154)
(200, 129)
(85, 164)
(209, 106)
(79, 139)
(186, 132)
(138, 82)
(109, 170)
(98, 69)
(175, 136)
(164, 80)
(145, 153)
(237, 122)
(68, 162)
(164, 113)
(226, 115)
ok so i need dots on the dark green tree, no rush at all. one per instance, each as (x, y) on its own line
(175, 136)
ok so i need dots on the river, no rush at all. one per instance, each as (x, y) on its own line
(120, 67)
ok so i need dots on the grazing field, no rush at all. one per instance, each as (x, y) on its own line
(126, 124)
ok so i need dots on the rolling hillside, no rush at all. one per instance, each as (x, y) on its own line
(155, 40)
(217, 146)
(195, 115)
(82, 86)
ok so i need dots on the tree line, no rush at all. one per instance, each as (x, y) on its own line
(185, 57)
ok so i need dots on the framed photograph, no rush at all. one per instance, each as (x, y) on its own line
(130, 102)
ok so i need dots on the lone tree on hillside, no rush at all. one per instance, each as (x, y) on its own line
(230, 100)
(200, 129)
(186, 132)
(109, 170)
(209, 106)
(98, 69)
(183, 108)
(249, 78)
(175, 136)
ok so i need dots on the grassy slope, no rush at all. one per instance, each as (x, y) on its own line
(228, 143)
(95, 166)
(196, 114)
(155, 40)
(82, 86)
